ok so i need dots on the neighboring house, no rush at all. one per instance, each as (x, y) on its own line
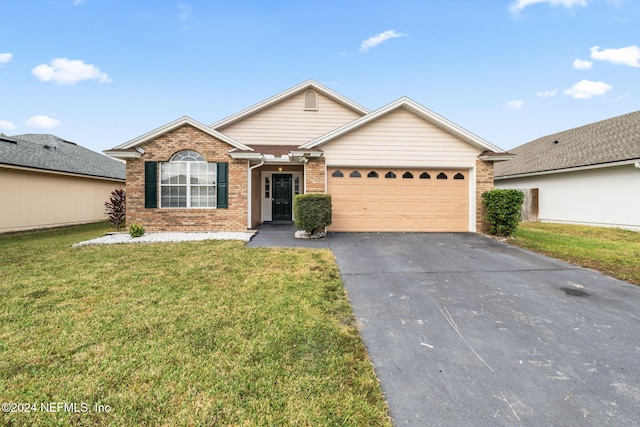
(399, 168)
(587, 175)
(50, 182)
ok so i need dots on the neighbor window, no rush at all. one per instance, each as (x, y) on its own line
(188, 181)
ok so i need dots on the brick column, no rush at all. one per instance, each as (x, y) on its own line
(315, 175)
(484, 182)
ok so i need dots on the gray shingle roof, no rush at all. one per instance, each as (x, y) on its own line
(612, 140)
(48, 152)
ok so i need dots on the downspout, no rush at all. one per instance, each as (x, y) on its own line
(250, 192)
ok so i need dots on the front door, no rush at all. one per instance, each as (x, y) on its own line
(281, 203)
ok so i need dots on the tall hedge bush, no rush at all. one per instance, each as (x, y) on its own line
(312, 212)
(503, 210)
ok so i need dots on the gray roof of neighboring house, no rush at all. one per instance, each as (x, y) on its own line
(612, 140)
(48, 152)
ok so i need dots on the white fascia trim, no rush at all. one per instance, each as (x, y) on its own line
(123, 154)
(497, 158)
(574, 169)
(54, 172)
(306, 153)
(309, 84)
(177, 123)
(245, 156)
(415, 108)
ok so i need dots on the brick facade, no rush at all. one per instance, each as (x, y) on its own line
(315, 175)
(161, 149)
(484, 182)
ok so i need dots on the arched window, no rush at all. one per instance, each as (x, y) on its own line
(337, 174)
(458, 176)
(425, 175)
(442, 175)
(407, 175)
(389, 175)
(188, 181)
(372, 174)
(310, 100)
(354, 174)
(187, 156)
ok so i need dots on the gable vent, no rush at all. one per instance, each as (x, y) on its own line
(310, 100)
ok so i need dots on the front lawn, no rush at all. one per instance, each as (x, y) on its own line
(612, 251)
(198, 333)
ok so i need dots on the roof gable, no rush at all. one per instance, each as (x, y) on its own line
(276, 99)
(607, 141)
(50, 153)
(121, 149)
(416, 109)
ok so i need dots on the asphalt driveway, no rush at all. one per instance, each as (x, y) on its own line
(463, 330)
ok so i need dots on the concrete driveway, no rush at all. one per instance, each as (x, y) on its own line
(466, 331)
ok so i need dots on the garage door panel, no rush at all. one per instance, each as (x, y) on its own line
(399, 204)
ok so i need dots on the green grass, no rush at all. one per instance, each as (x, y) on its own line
(198, 333)
(612, 251)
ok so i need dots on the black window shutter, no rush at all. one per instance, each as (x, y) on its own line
(223, 185)
(150, 184)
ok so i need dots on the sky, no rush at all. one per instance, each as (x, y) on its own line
(102, 72)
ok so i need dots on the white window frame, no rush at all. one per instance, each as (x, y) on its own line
(188, 158)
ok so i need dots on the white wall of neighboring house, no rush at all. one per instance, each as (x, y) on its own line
(607, 196)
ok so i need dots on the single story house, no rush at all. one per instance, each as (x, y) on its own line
(399, 168)
(50, 182)
(588, 175)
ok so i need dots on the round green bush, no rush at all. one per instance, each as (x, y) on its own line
(136, 230)
(503, 210)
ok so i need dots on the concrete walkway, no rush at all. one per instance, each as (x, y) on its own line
(282, 235)
(463, 330)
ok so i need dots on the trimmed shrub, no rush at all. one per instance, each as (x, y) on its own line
(115, 208)
(312, 212)
(136, 230)
(503, 210)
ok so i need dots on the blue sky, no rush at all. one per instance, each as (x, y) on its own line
(101, 72)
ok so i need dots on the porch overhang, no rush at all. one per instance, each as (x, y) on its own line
(275, 154)
(490, 156)
(131, 153)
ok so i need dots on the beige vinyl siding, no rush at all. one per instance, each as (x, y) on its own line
(34, 199)
(287, 123)
(400, 139)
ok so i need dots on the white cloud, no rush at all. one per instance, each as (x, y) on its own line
(625, 56)
(585, 89)
(185, 16)
(374, 41)
(77, 2)
(185, 11)
(6, 125)
(69, 71)
(515, 105)
(5, 57)
(580, 64)
(42, 122)
(620, 98)
(547, 94)
(519, 5)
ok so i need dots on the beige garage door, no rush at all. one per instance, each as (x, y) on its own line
(379, 199)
